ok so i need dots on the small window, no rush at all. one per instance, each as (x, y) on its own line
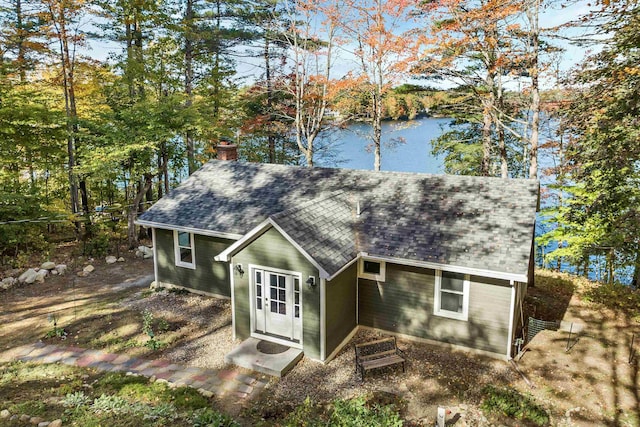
(184, 249)
(451, 295)
(372, 270)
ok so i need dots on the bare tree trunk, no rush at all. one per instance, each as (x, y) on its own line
(216, 66)
(133, 212)
(377, 129)
(271, 140)
(21, 57)
(533, 15)
(59, 21)
(165, 168)
(188, 80)
(635, 283)
(504, 163)
(487, 123)
(160, 185)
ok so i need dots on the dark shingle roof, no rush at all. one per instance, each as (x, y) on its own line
(476, 222)
(324, 228)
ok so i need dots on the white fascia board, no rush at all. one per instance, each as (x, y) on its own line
(243, 241)
(151, 224)
(257, 231)
(322, 271)
(448, 267)
(344, 267)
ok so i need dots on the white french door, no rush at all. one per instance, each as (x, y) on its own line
(277, 302)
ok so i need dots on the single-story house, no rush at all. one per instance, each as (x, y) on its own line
(309, 255)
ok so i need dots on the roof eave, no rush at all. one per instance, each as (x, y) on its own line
(199, 231)
(438, 266)
(243, 241)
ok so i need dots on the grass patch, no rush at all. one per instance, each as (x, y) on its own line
(31, 407)
(99, 399)
(365, 410)
(509, 402)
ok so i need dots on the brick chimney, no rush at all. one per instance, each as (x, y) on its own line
(227, 150)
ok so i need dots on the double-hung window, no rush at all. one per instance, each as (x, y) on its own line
(184, 249)
(451, 295)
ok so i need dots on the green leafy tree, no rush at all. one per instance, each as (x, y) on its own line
(602, 215)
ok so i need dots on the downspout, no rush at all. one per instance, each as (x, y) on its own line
(155, 255)
(511, 318)
(233, 300)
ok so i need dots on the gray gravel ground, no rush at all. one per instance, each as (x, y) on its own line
(434, 376)
(208, 321)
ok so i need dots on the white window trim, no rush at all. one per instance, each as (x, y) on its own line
(176, 250)
(377, 277)
(465, 300)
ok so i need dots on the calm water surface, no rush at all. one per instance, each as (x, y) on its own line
(406, 146)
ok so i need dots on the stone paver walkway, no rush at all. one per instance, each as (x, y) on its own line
(221, 383)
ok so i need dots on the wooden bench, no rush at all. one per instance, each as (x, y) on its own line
(378, 354)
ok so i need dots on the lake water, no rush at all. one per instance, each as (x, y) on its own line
(406, 146)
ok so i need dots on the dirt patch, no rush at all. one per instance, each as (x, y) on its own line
(28, 310)
(585, 379)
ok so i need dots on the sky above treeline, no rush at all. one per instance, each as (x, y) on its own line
(556, 14)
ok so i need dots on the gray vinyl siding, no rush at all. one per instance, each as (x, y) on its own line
(271, 249)
(404, 304)
(209, 276)
(341, 296)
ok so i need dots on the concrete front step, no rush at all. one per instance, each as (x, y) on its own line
(247, 355)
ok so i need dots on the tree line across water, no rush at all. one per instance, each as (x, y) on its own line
(86, 144)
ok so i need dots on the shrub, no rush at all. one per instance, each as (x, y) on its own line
(615, 296)
(356, 412)
(98, 246)
(75, 400)
(304, 415)
(207, 417)
(163, 411)
(509, 402)
(114, 404)
(149, 325)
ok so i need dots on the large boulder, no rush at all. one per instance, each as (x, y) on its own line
(41, 274)
(48, 265)
(28, 276)
(61, 269)
(111, 259)
(144, 252)
(8, 282)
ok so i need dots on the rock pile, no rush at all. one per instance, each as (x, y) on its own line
(33, 275)
(36, 421)
(38, 274)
